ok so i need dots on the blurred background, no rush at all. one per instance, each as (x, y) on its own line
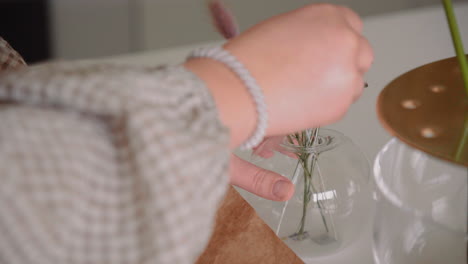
(81, 29)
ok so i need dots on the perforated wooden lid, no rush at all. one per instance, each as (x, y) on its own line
(427, 108)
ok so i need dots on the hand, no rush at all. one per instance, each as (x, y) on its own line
(309, 62)
(261, 182)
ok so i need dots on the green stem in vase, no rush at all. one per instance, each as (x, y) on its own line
(457, 42)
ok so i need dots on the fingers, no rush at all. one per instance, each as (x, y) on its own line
(263, 149)
(364, 62)
(267, 148)
(261, 182)
(352, 18)
(270, 145)
(365, 55)
(359, 88)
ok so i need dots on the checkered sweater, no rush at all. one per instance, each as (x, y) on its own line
(107, 164)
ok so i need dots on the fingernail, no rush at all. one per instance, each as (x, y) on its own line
(281, 189)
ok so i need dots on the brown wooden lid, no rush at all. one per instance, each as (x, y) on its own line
(427, 108)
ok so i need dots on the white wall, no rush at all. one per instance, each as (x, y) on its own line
(91, 28)
(174, 22)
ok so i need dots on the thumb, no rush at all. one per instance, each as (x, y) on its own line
(264, 183)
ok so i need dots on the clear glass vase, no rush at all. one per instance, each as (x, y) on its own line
(421, 215)
(332, 198)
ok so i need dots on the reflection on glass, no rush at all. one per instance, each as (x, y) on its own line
(421, 210)
(340, 195)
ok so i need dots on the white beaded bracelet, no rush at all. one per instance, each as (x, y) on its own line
(224, 56)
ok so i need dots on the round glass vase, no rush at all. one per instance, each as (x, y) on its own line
(332, 198)
(421, 214)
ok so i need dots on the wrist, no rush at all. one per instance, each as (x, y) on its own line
(235, 106)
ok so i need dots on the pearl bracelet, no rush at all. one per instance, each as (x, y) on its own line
(224, 56)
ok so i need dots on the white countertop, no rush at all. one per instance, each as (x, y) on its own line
(401, 41)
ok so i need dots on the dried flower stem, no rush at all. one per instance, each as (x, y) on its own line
(307, 139)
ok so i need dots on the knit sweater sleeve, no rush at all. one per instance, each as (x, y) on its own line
(108, 164)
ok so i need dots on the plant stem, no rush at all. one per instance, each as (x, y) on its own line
(311, 185)
(306, 199)
(463, 140)
(457, 42)
(285, 205)
(308, 139)
(319, 202)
